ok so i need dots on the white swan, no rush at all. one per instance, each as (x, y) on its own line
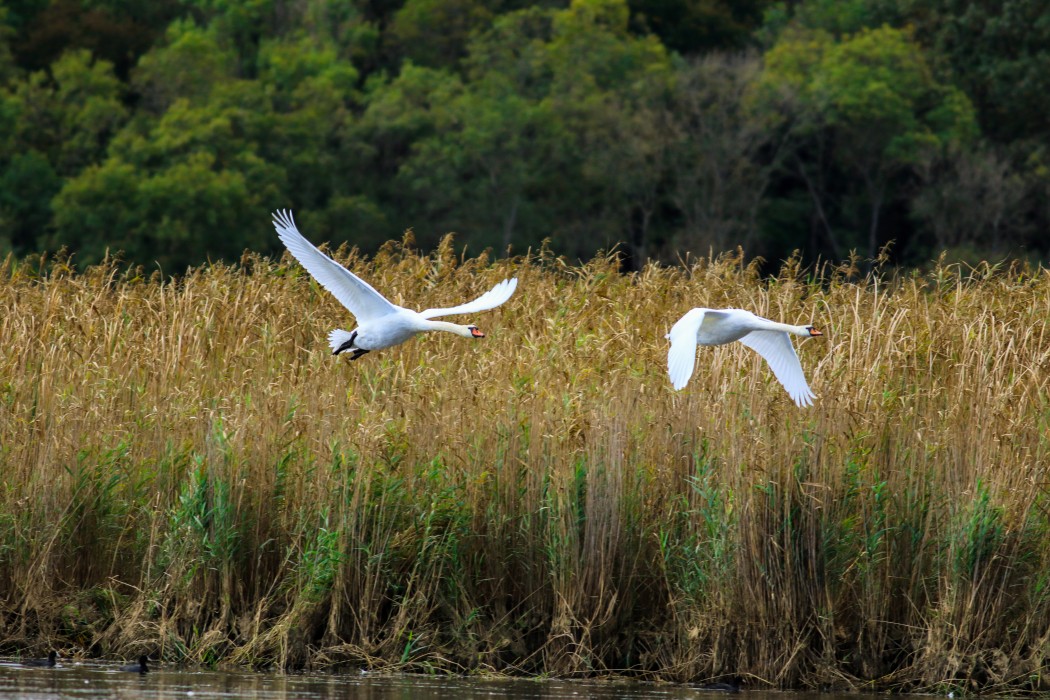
(720, 326)
(381, 324)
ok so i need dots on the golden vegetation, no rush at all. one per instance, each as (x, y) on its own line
(186, 470)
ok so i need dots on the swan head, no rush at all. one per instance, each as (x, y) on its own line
(475, 331)
(813, 332)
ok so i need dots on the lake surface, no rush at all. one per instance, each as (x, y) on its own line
(90, 679)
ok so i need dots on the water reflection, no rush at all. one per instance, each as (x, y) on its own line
(72, 679)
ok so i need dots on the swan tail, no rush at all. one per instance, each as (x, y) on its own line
(341, 340)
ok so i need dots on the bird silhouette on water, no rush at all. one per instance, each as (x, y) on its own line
(721, 687)
(49, 662)
(139, 667)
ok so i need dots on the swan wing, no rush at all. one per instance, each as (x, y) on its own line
(776, 348)
(489, 300)
(681, 358)
(364, 302)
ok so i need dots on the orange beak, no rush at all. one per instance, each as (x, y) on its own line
(477, 333)
(814, 332)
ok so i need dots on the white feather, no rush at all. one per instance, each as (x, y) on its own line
(381, 324)
(768, 338)
(776, 348)
(364, 302)
(489, 300)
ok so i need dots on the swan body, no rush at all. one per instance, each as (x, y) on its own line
(381, 324)
(768, 338)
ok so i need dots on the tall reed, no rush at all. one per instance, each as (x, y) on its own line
(186, 470)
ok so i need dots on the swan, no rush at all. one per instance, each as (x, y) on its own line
(381, 324)
(720, 326)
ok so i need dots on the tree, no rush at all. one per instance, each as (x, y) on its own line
(972, 198)
(194, 170)
(118, 31)
(868, 106)
(998, 51)
(839, 18)
(696, 27)
(479, 164)
(27, 184)
(606, 89)
(543, 136)
(435, 33)
(242, 24)
(312, 92)
(399, 114)
(7, 32)
(721, 156)
(995, 52)
(70, 112)
(171, 190)
(189, 64)
(342, 24)
(58, 122)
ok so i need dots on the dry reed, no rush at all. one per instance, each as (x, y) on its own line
(186, 470)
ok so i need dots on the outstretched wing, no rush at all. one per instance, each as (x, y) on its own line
(489, 300)
(352, 292)
(776, 348)
(682, 356)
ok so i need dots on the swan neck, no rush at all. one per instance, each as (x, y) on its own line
(449, 328)
(787, 328)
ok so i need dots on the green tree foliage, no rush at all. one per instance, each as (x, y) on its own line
(342, 24)
(246, 25)
(435, 33)
(996, 51)
(699, 26)
(170, 129)
(69, 112)
(722, 156)
(58, 123)
(526, 136)
(242, 23)
(185, 183)
(608, 87)
(481, 151)
(27, 184)
(188, 66)
(839, 18)
(310, 90)
(999, 52)
(7, 32)
(118, 31)
(185, 177)
(868, 106)
(220, 151)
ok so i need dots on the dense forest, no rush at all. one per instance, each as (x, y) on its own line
(169, 129)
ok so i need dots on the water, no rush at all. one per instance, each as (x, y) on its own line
(74, 680)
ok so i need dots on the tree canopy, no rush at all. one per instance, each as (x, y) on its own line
(170, 130)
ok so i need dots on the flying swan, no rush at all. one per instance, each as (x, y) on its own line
(720, 326)
(381, 324)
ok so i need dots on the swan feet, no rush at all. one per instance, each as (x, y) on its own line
(348, 345)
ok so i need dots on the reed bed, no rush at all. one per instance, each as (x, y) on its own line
(187, 471)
